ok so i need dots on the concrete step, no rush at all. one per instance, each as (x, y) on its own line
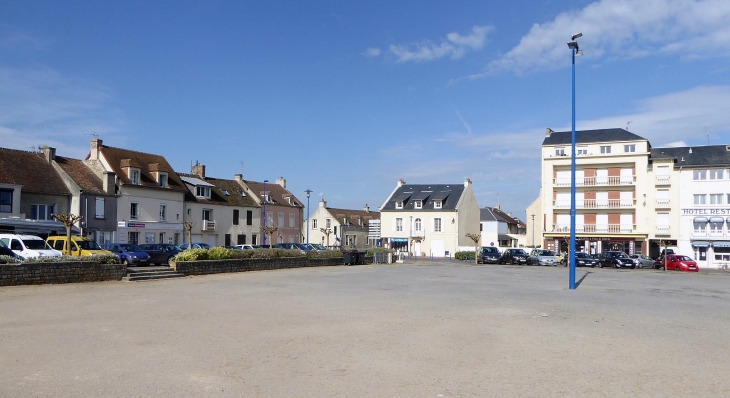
(134, 275)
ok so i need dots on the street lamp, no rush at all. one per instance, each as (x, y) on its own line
(263, 238)
(574, 50)
(533, 232)
(309, 192)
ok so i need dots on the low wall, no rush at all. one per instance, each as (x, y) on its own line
(65, 272)
(204, 267)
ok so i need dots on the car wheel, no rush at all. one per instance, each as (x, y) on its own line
(125, 262)
(661, 268)
(169, 260)
(600, 265)
(512, 261)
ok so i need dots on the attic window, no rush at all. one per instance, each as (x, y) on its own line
(202, 192)
(242, 193)
(134, 176)
(162, 179)
(418, 204)
(399, 204)
(225, 192)
(436, 204)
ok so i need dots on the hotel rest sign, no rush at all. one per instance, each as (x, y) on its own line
(706, 212)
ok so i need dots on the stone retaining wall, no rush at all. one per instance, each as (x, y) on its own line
(64, 272)
(253, 264)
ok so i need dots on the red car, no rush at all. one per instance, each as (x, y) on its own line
(677, 262)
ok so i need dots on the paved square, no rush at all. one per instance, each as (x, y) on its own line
(425, 330)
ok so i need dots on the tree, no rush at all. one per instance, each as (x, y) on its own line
(269, 231)
(476, 238)
(327, 231)
(68, 220)
(188, 225)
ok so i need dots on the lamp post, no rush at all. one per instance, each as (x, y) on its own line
(309, 192)
(575, 50)
(263, 238)
(410, 236)
(533, 232)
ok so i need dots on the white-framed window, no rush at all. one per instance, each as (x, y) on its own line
(700, 199)
(437, 225)
(41, 212)
(559, 151)
(399, 204)
(291, 220)
(6, 200)
(581, 150)
(208, 214)
(328, 223)
(163, 208)
(269, 218)
(716, 198)
(314, 224)
(133, 210)
(418, 225)
(699, 175)
(437, 204)
(281, 239)
(202, 192)
(605, 149)
(716, 174)
(162, 179)
(399, 224)
(630, 148)
(134, 176)
(281, 220)
(99, 208)
(292, 239)
(418, 204)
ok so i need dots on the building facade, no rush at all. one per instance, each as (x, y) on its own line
(500, 229)
(341, 228)
(283, 210)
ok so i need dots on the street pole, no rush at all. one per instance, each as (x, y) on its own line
(533, 232)
(263, 236)
(309, 192)
(573, 45)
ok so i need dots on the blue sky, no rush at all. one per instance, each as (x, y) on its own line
(345, 98)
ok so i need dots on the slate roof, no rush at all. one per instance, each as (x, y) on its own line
(82, 175)
(448, 193)
(146, 162)
(701, 156)
(591, 136)
(217, 196)
(32, 171)
(354, 215)
(277, 192)
(486, 214)
(495, 214)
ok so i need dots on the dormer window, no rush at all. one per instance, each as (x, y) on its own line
(162, 179)
(134, 176)
(399, 204)
(418, 204)
(436, 204)
(202, 192)
(225, 192)
(243, 194)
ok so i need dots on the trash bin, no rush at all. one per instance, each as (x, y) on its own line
(361, 257)
(349, 257)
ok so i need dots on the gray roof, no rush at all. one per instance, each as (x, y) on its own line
(591, 136)
(486, 214)
(700, 156)
(451, 193)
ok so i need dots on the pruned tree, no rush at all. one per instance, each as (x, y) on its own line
(269, 231)
(188, 225)
(476, 238)
(327, 232)
(68, 220)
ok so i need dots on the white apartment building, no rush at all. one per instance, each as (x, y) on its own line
(341, 228)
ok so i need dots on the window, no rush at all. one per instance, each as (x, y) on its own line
(241, 239)
(249, 217)
(99, 208)
(162, 212)
(133, 238)
(418, 226)
(328, 223)
(6, 200)
(700, 199)
(225, 192)
(134, 176)
(254, 239)
(716, 198)
(399, 224)
(418, 204)
(581, 150)
(133, 211)
(162, 179)
(291, 220)
(235, 216)
(630, 148)
(270, 218)
(314, 224)
(437, 225)
(41, 212)
(559, 151)
(227, 240)
(208, 214)
(202, 192)
(699, 175)
(605, 149)
(281, 220)
(436, 204)
(399, 204)
(716, 174)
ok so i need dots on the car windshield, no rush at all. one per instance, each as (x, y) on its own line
(490, 250)
(684, 258)
(131, 248)
(35, 244)
(545, 253)
(204, 245)
(519, 252)
(319, 247)
(169, 248)
(582, 255)
(2, 244)
(620, 255)
(88, 245)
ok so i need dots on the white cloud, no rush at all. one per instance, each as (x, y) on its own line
(454, 46)
(372, 52)
(677, 144)
(623, 29)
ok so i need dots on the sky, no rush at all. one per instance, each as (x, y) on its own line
(346, 98)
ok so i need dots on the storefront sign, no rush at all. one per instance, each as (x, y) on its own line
(631, 247)
(705, 212)
(399, 239)
(135, 225)
(121, 224)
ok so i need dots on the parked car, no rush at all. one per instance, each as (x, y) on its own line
(615, 260)
(642, 261)
(291, 246)
(80, 246)
(5, 251)
(543, 257)
(668, 250)
(28, 246)
(581, 260)
(196, 245)
(514, 256)
(677, 262)
(489, 255)
(160, 253)
(319, 247)
(245, 247)
(128, 253)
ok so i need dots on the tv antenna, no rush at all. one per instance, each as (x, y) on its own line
(627, 124)
(708, 136)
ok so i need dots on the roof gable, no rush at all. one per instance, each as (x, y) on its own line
(279, 195)
(447, 194)
(81, 174)
(235, 196)
(32, 171)
(119, 159)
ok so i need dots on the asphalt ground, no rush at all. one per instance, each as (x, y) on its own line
(430, 329)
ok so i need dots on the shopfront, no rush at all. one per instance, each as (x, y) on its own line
(595, 245)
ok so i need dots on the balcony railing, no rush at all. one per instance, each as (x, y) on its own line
(208, 225)
(596, 204)
(662, 230)
(662, 203)
(596, 181)
(596, 228)
(711, 233)
(662, 180)
(418, 234)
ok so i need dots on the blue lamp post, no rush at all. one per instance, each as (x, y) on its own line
(263, 238)
(575, 50)
(309, 192)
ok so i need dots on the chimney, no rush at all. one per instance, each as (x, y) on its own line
(49, 153)
(509, 213)
(467, 182)
(109, 183)
(199, 169)
(401, 182)
(322, 203)
(497, 206)
(281, 181)
(548, 131)
(366, 208)
(238, 178)
(95, 146)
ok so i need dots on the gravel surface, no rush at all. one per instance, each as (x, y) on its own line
(411, 330)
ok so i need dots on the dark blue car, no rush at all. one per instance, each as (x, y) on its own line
(129, 254)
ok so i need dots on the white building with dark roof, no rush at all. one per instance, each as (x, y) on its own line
(500, 229)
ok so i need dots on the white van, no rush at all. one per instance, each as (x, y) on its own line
(28, 246)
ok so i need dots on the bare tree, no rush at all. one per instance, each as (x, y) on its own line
(269, 231)
(476, 238)
(188, 225)
(68, 220)
(327, 232)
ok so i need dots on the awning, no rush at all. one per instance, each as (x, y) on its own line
(701, 219)
(700, 244)
(399, 239)
(717, 220)
(728, 220)
(720, 244)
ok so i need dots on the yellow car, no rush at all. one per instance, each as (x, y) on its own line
(80, 246)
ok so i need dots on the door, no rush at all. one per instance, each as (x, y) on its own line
(417, 247)
(627, 176)
(437, 248)
(212, 240)
(626, 198)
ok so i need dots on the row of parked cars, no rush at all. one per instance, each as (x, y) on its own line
(612, 259)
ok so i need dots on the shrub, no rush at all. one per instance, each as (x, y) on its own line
(8, 260)
(465, 256)
(218, 253)
(374, 250)
(192, 255)
(324, 254)
(48, 259)
(106, 259)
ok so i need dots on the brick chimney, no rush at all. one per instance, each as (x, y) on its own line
(281, 181)
(401, 182)
(238, 178)
(366, 208)
(49, 153)
(322, 203)
(95, 147)
(548, 131)
(467, 182)
(199, 170)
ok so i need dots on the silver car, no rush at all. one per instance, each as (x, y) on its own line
(543, 257)
(642, 261)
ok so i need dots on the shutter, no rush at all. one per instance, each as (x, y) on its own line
(433, 222)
